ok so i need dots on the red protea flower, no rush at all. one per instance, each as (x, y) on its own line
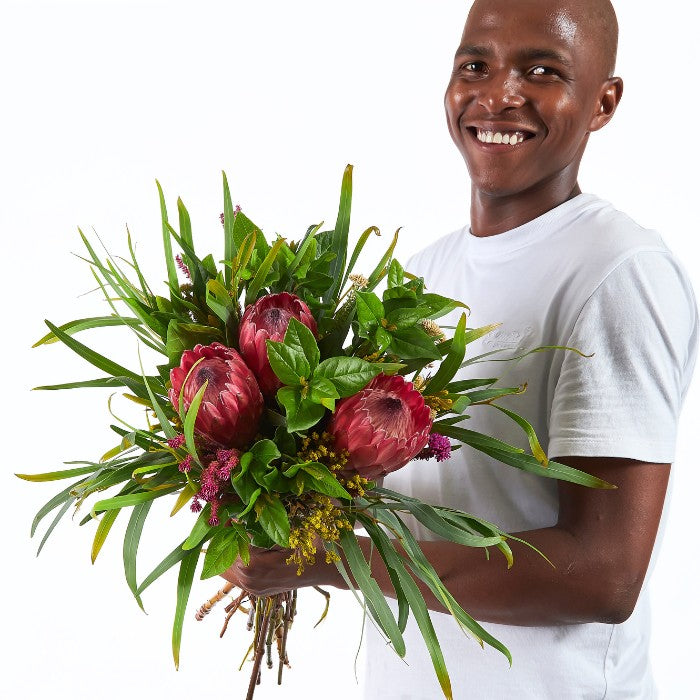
(268, 318)
(232, 405)
(383, 427)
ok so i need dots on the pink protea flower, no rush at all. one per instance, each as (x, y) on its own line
(383, 427)
(232, 405)
(268, 318)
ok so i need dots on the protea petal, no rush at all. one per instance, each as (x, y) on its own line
(267, 319)
(383, 427)
(232, 404)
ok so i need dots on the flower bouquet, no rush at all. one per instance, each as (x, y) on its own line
(289, 387)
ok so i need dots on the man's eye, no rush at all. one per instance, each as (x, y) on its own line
(473, 66)
(543, 70)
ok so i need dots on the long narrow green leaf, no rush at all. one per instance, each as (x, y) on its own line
(142, 280)
(380, 270)
(134, 499)
(102, 531)
(102, 382)
(356, 253)
(53, 503)
(340, 237)
(51, 527)
(165, 424)
(168, 562)
(451, 363)
(167, 246)
(257, 282)
(94, 358)
(229, 243)
(414, 599)
(376, 601)
(82, 324)
(131, 546)
(184, 586)
(191, 417)
(525, 462)
(57, 476)
(537, 451)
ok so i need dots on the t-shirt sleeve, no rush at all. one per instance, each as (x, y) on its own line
(641, 322)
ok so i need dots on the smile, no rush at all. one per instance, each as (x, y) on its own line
(503, 137)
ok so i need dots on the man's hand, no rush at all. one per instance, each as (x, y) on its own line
(269, 574)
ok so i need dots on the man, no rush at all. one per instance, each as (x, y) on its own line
(531, 81)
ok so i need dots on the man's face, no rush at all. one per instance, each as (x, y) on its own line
(523, 94)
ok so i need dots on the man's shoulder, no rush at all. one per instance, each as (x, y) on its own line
(441, 249)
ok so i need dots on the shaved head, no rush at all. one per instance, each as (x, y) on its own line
(589, 22)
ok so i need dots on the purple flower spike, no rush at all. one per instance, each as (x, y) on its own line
(438, 447)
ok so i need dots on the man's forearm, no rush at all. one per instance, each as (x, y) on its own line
(576, 589)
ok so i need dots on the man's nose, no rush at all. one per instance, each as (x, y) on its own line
(499, 93)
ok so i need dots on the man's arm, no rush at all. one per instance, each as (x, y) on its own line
(600, 546)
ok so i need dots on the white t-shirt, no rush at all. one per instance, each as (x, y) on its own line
(582, 275)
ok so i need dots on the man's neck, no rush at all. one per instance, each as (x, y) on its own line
(491, 215)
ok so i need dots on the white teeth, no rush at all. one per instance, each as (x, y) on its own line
(510, 138)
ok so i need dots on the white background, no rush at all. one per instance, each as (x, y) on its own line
(100, 98)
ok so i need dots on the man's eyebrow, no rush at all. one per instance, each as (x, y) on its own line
(545, 55)
(532, 54)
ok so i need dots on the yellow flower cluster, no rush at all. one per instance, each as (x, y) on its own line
(317, 518)
(319, 448)
(439, 402)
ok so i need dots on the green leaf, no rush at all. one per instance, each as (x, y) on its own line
(537, 451)
(301, 413)
(131, 546)
(222, 551)
(288, 363)
(370, 312)
(395, 274)
(376, 602)
(55, 476)
(356, 252)
(340, 237)
(229, 220)
(273, 518)
(467, 384)
(184, 586)
(301, 340)
(94, 358)
(317, 477)
(199, 530)
(414, 343)
(348, 374)
(167, 246)
(170, 560)
(102, 531)
(516, 458)
(82, 324)
(450, 365)
(184, 336)
(381, 269)
(54, 502)
(439, 306)
(134, 499)
(411, 595)
(258, 280)
(55, 522)
(190, 419)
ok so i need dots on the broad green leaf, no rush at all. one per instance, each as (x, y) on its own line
(222, 551)
(288, 363)
(348, 374)
(301, 340)
(102, 531)
(184, 586)
(440, 306)
(414, 343)
(218, 300)
(184, 336)
(451, 363)
(395, 274)
(370, 312)
(273, 518)
(301, 413)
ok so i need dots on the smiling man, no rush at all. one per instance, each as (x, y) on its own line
(531, 81)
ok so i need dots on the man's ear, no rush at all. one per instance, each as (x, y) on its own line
(609, 98)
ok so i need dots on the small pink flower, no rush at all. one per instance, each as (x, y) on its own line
(177, 441)
(268, 319)
(183, 267)
(195, 506)
(438, 447)
(383, 427)
(186, 464)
